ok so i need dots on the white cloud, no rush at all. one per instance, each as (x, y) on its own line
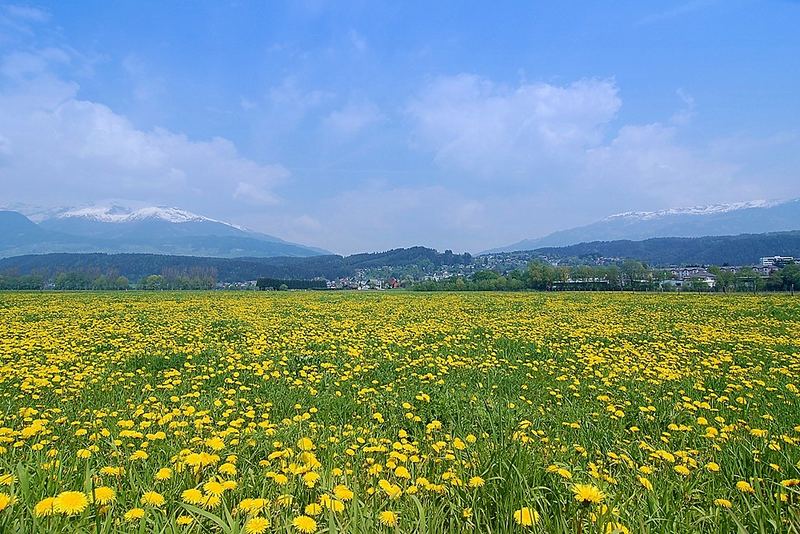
(291, 103)
(357, 40)
(352, 118)
(60, 148)
(564, 140)
(145, 86)
(646, 163)
(26, 13)
(381, 216)
(472, 124)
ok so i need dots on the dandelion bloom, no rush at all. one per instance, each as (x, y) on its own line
(70, 502)
(313, 509)
(184, 520)
(724, 503)
(682, 470)
(104, 495)
(256, 525)
(252, 506)
(134, 514)
(211, 501)
(616, 528)
(214, 488)
(192, 496)
(587, 494)
(342, 492)
(153, 498)
(526, 516)
(476, 482)
(165, 473)
(310, 479)
(388, 518)
(44, 507)
(304, 524)
(744, 487)
(6, 500)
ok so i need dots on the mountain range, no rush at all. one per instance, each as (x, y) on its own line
(715, 220)
(136, 266)
(151, 230)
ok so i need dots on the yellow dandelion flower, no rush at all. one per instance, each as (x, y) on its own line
(152, 498)
(214, 488)
(256, 525)
(682, 470)
(526, 517)
(304, 524)
(70, 502)
(342, 492)
(134, 514)
(192, 496)
(211, 501)
(616, 528)
(476, 482)
(310, 479)
(165, 473)
(313, 509)
(104, 495)
(45, 507)
(587, 494)
(6, 500)
(388, 518)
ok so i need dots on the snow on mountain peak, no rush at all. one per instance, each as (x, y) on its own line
(693, 210)
(120, 214)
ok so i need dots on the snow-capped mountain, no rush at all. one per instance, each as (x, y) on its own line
(757, 216)
(120, 214)
(694, 210)
(146, 229)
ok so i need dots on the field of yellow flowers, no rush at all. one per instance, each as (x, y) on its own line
(335, 412)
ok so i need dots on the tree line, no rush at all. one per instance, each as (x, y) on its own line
(630, 275)
(78, 280)
(283, 285)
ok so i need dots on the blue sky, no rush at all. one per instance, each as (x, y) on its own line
(360, 126)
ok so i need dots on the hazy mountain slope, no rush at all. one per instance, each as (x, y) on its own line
(135, 266)
(745, 249)
(723, 219)
(147, 230)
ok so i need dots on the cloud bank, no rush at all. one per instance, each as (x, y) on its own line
(56, 147)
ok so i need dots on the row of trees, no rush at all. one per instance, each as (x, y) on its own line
(283, 285)
(630, 275)
(21, 282)
(169, 279)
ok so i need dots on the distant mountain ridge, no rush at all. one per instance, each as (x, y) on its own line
(759, 216)
(153, 230)
(744, 249)
(136, 266)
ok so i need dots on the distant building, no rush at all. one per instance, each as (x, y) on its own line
(776, 261)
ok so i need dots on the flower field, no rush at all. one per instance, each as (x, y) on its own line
(397, 412)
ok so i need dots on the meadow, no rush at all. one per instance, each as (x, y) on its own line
(398, 412)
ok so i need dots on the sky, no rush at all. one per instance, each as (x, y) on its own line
(364, 126)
